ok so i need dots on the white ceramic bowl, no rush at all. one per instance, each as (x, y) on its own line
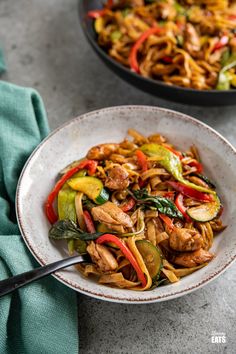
(71, 142)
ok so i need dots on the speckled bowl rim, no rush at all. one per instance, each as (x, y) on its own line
(75, 286)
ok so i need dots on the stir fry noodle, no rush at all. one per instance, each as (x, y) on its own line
(185, 43)
(142, 210)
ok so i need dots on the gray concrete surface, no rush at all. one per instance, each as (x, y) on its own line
(45, 49)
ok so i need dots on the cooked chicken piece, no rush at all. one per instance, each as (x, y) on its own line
(102, 257)
(109, 213)
(185, 240)
(192, 39)
(167, 11)
(117, 178)
(193, 259)
(102, 151)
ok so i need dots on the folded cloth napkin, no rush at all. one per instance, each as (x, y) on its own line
(2, 63)
(42, 317)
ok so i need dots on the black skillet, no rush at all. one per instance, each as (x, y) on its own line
(157, 88)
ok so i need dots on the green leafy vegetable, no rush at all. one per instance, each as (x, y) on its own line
(163, 205)
(67, 230)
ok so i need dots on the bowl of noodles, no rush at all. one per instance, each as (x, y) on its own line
(182, 50)
(153, 210)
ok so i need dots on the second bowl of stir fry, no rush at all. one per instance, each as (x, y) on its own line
(144, 212)
(161, 45)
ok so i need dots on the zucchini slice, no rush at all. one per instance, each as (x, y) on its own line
(205, 179)
(91, 186)
(205, 212)
(151, 256)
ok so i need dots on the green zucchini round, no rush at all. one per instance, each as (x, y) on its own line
(205, 212)
(151, 257)
(102, 197)
(91, 186)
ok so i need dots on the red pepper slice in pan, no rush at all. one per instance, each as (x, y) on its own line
(134, 50)
(190, 192)
(127, 253)
(96, 13)
(99, 13)
(90, 165)
(167, 59)
(109, 3)
(221, 43)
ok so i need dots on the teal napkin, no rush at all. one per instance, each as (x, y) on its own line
(42, 317)
(2, 63)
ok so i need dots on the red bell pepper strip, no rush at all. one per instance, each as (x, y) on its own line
(128, 205)
(180, 205)
(99, 13)
(127, 253)
(89, 222)
(142, 160)
(190, 192)
(134, 50)
(232, 17)
(198, 166)
(141, 183)
(96, 13)
(177, 153)
(90, 165)
(169, 194)
(221, 43)
(109, 3)
(168, 221)
(167, 59)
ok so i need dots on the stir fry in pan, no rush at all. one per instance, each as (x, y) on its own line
(144, 212)
(185, 43)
